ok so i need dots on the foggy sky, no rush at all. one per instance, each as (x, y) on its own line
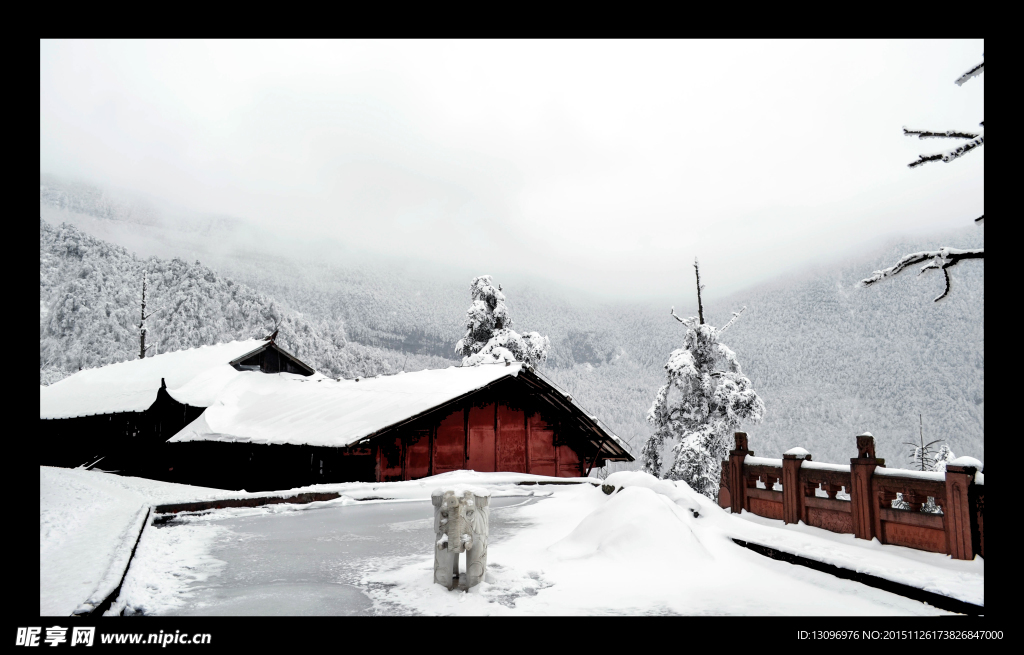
(603, 164)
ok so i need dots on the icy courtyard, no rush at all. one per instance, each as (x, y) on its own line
(651, 547)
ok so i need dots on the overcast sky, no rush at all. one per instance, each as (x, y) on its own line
(608, 164)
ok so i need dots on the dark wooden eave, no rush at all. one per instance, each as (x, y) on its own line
(307, 370)
(600, 441)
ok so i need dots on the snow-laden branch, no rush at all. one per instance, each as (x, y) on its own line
(943, 258)
(949, 155)
(948, 134)
(732, 320)
(974, 72)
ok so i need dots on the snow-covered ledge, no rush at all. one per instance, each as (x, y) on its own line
(750, 460)
(934, 476)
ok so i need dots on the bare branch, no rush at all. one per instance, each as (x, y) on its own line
(945, 292)
(944, 258)
(735, 315)
(974, 72)
(685, 321)
(950, 155)
(948, 134)
(979, 219)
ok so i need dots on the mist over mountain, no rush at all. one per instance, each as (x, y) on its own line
(828, 358)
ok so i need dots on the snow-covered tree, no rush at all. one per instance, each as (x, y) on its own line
(944, 258)
(142, 325)
(705, 398)
(923, 455)
(944, 456)
(489, 338)
(89, 313)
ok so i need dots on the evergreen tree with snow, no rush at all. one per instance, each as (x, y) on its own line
(943, 457)
(705, 398)
(489, 338)
(944, 258)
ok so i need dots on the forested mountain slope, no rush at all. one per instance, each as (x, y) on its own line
(831, 359)
(90, 295)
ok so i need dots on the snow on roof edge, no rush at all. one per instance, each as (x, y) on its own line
(592, 417)
(132, 385)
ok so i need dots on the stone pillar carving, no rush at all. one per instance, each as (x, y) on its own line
(737, 479)
(863, 505)
(461, 525)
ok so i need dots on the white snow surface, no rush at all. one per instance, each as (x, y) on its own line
(132, 386)
(799, 452)
(967, 461)
(656, 547)
(826, 466)
(88, 523)
(651, 547)
(272, 409)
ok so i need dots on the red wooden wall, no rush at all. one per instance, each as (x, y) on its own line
(490, 437)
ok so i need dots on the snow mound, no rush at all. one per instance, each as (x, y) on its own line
(638, 524)
(676, 491)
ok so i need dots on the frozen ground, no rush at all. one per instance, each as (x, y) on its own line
(554, 550)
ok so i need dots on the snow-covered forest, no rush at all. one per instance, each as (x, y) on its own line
(829, 359)
(90, 295)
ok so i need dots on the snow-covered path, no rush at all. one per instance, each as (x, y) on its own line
(651, 547)
(69, 573)
(297, 560)
(638, 551)
(88, 523)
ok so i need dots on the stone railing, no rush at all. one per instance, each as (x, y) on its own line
(938, 512)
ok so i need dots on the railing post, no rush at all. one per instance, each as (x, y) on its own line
(737, 481)
(792, 490)
(862, 501)
(957, 514)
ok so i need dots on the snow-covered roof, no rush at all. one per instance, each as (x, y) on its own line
(286, 409)
(193, 377)
(317, 411)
